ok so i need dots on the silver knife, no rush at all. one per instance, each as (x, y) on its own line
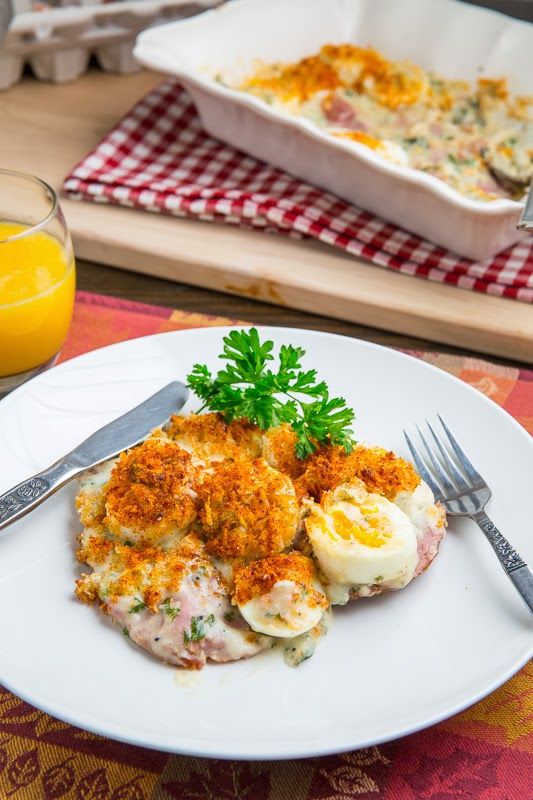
(126, 431)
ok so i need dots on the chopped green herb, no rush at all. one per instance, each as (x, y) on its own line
(378, 579)
(460, 162)
(126, 633)
(167, 608)
(199, 627)
(248, 389)
(128, 543)
(139, 605)
(421, 141)
(230, 616)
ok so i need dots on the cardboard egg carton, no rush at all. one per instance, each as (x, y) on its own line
(59, 42)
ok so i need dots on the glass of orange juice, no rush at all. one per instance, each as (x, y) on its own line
(37, 278)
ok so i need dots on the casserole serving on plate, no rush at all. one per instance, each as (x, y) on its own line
(444, 37)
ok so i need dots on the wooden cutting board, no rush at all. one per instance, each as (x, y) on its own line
(46, 129)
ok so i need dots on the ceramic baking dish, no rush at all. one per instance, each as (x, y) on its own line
(451, 38)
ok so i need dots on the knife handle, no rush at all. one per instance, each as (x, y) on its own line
(30, 493)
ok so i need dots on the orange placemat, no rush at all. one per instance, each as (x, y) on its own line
(485, 753)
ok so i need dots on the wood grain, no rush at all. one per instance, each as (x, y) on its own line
(147, 289)
(46, 129)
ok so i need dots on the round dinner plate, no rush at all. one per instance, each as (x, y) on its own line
(388, 666)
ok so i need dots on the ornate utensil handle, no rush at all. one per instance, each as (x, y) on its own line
(26, 495)
(514, 566)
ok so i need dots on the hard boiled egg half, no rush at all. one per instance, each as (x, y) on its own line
(361, 541)
(280, 595)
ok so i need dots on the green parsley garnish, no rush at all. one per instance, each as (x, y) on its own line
(198, 628)
(167, 608)
(139, 605)
(460, 162)
(248, 388)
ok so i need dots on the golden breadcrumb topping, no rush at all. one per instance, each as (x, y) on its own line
(148, 574)
(259, 577)
(361, 69)
(95, 547)
(392, 83)
(207, 436)
(91, 508)
(151, 490)
(380, 470)
(300, 80)
(279, 450)
(247, 510)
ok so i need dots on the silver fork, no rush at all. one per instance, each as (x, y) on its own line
(463, 492)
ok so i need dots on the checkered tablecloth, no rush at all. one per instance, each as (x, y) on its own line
(158, 158)
(484, 753)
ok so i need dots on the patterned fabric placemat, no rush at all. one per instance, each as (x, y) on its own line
(485, 753)
(158, 158)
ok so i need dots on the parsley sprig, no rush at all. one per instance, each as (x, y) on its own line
(249, 388)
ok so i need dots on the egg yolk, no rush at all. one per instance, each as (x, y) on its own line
(375, 534)
(372, 536)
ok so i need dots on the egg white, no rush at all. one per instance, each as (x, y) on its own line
(419, 505)
(284, 611)
(361, 540)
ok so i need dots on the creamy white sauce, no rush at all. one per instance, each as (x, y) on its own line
(300, 648)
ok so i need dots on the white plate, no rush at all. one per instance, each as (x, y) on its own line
(389, 666)
(456, 40)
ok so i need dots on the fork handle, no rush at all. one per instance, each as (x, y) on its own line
(514, 566)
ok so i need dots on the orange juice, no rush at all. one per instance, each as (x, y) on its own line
(37, 282)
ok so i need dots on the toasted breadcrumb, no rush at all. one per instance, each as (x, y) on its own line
(279, 450)
(208, 437)
(151, 491)
(380, 470)
(247, 510)
(91, 507)
(258, 577)
(151, 573)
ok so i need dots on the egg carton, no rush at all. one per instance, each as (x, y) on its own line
(59, 42)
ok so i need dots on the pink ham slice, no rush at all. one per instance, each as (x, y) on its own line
(198, 624)
(428, 547)
(338, 112)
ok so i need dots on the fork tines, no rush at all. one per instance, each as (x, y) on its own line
(445, 468)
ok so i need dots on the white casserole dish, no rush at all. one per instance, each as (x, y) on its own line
(451, 38)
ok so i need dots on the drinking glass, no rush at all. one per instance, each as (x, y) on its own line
(37, 278)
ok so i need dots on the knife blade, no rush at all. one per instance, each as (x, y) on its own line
(125, 431)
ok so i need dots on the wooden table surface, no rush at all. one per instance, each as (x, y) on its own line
(134, 286)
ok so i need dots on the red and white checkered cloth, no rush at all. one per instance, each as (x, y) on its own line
(158, 158)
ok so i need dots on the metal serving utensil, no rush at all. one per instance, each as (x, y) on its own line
(463, 492)
(525, 223)
(512, 167)
(126, 431)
